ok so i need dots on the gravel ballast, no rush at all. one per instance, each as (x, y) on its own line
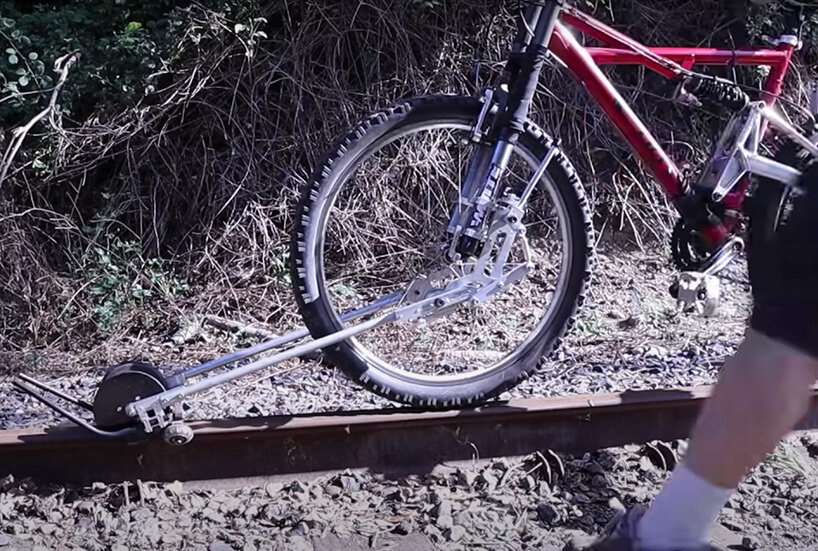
(627, 338)
(507, 504)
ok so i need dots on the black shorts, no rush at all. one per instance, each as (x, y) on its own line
(784, 269)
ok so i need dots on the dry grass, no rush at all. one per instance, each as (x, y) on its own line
(204, 171)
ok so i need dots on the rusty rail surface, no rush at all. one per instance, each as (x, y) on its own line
(396, 441)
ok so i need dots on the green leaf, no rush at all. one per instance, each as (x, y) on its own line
(134, 26)
(13, 59)
(33, 56)
(11, 51)
(239, 28)
(23, 80)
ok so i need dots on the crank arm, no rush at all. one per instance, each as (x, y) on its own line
(723, 257)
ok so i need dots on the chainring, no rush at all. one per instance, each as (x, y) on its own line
(121, 385)
(687, 249)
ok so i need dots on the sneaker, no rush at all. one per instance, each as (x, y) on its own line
(620, 535)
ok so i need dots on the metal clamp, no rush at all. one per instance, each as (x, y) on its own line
(477, 134)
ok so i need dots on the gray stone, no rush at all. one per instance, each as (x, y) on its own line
(749, 543)
(413, 542)
(404, 527)
(334, 543)
(462, 518)
(444, 522)
(594, 468)
(4, 540)
(219, 546)
(350, 484)
(457, 533)
(599, 481)
(444, 509)
(547, 514)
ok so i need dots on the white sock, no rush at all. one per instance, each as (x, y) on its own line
(682, 515)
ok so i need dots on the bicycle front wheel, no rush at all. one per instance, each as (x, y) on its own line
(373, 220)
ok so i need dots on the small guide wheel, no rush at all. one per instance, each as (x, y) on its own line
(178, 434)
(121, 385)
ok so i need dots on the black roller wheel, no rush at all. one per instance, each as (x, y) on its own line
(121, 385)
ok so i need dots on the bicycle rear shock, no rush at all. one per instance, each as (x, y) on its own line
(703, 90)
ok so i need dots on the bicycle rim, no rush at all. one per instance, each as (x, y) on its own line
(389, 211)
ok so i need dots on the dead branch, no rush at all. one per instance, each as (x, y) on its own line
(246, 329)
(61, 66)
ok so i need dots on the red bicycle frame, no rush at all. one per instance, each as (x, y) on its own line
(620, 49)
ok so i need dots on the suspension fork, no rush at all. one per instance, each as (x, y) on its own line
(512, 101)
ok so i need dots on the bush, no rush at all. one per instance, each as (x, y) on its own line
(202, 170)
(121, 42)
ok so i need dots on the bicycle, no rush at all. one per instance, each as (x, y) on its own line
(448, 208)
(503, 223)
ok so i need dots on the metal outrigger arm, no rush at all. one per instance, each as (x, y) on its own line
(160, 407)
(152, 411)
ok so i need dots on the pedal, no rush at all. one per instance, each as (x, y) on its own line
(697, 291)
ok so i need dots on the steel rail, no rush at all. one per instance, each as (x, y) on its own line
(396, 441)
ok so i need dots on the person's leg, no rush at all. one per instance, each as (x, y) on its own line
(762, 392)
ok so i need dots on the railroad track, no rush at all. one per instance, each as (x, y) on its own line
(396, 441)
